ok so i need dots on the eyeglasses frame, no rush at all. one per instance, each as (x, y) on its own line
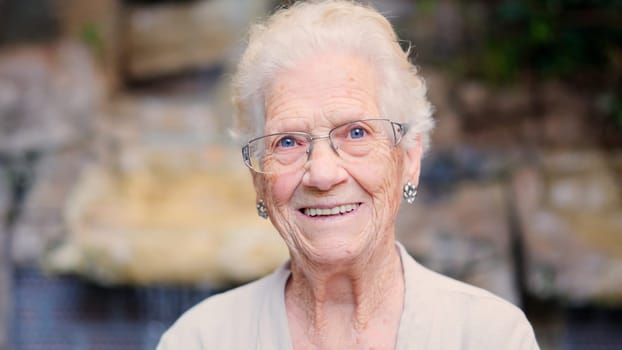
(402, 129)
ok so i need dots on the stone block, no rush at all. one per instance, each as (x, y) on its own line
(480, 104)
(569, 207)
(170, 38)
(48, 95)
(166, 223)
(41, 222)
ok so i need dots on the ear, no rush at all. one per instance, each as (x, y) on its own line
(412, 162)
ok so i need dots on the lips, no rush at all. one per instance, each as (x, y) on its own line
(337, 210)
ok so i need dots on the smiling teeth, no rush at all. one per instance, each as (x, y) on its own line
(342, 209)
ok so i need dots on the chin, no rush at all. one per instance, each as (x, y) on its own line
(331, 251)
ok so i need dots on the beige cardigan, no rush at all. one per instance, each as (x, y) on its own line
(439, 313)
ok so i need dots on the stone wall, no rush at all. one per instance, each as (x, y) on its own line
(118, 167)
(113, 168)
(169, 38)
(569, 206)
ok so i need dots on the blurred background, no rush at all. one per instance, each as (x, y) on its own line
(123, 201)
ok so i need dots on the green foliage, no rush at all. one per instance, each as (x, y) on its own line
(551, 38)
(577, 41)
(92, 37)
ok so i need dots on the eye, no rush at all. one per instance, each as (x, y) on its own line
(286, 142)
(357, 132)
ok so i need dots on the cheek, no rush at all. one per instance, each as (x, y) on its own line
(380, 176)
(279, 189)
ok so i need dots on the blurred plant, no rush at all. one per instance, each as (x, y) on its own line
(576, 41)
(91, 36)
(552, 38)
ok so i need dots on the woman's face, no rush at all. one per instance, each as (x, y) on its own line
(320, 93)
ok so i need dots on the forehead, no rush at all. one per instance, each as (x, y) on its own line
(322, 91)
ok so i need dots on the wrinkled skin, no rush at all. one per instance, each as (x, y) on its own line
(348, 259)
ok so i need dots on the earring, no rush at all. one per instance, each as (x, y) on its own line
(262, 211)
(410, 191)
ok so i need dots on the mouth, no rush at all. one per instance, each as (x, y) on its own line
(337, 210)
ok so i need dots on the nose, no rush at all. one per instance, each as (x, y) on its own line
(323, 169)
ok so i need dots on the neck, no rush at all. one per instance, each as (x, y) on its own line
(346, 301)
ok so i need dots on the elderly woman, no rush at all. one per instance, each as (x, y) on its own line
(336, 121)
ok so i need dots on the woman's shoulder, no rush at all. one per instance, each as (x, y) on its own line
(478, 318)
(471, 315)
(221, 317)
(478, 304)
(225, 304)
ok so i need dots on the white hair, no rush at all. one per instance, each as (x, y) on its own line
(310, 27)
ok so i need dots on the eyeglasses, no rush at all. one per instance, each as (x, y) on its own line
(288, 151)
